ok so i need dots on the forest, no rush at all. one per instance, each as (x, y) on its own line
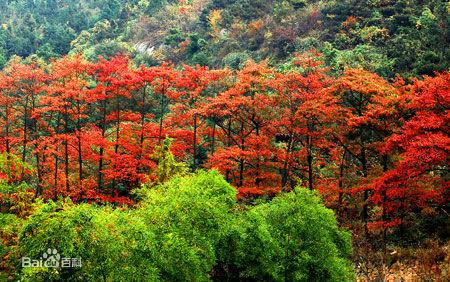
(284, 140)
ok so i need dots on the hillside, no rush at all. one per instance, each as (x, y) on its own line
(388, 37)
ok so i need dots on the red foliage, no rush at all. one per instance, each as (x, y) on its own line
(90, 131)
(418, 178)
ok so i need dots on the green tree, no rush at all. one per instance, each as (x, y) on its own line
(167, 167)
(292, 238)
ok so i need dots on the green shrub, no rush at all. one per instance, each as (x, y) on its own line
(190, 229)
(102, 238)
(171, 236)
(189, 216)
(9, 225)
(292, 238)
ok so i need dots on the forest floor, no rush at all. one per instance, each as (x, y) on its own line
(427, 262)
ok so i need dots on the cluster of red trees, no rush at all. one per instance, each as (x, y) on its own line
(89, 130)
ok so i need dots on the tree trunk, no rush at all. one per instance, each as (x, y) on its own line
(383, 203)
(194, 156)
(365, 211)
(116, 146)
(55, 176)
(213, 141)
(39, 175)
(66, 150)
(101, 151)
(161, 118)
(285, 169)
(227, 173)
(258, 165)
(80, 161)
(80, 156)
(241, 161)
(141, 137)
(310, 165)
(341, 187)
(25, 137)
(8, 145)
